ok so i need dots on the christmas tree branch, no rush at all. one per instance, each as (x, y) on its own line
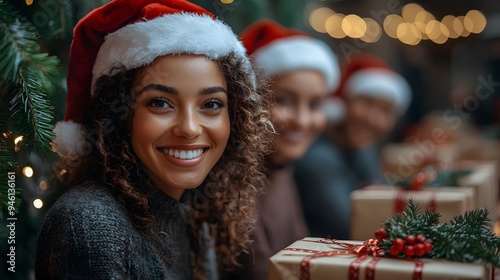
(24, 81)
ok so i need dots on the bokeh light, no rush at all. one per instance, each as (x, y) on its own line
(450, 22)
(354, 26)
(18, 139)
(373, 31)
(410, 11)
(464, 32)
(318, 17)
(391, 23)
(333, 26)
(474, 21)
(437, 32)
(38, 203)
(409, 34)
(28, 171)
(43, 185)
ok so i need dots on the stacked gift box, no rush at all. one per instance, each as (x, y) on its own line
(475, 187)
(412, 245)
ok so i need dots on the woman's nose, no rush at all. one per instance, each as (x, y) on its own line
(188, 124)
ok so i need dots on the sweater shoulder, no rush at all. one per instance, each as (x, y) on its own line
(88, 197)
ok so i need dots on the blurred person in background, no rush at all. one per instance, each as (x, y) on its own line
(302, 71)
(346, 157)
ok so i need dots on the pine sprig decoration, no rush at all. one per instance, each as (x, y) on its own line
(466, 238)
(24, 82)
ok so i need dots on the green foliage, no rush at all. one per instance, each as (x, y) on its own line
(24, 81)
(466, 238)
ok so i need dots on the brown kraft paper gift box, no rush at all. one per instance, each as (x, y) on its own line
(286, 265)
(371, 206)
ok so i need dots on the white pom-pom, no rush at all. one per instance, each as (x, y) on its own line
(70, 140)
(334, 109)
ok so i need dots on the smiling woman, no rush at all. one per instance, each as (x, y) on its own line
(162, 144)
(302, 71)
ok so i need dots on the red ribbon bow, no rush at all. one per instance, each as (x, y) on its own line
(368, 248)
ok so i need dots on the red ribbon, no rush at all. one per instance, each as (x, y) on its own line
(368, 248)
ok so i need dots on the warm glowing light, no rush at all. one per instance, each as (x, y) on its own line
(28, 171)
(43, 185)
(373, 31)
(18, 139)
(437, 32)
(474, 21)
(354, 26)
(38, 203)
(410, 12)
(318, 17)
(422, 19)
(391, 23)
(409, 34)
(29, 2)
(334, 26)
(452, 24)
(464, 32)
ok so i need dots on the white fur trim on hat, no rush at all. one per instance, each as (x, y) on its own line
(299, 52)
(70, 140)
(140, 43)
(380, 83)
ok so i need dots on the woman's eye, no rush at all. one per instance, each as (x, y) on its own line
(159, 103)
(315, 105)
(213, 105)
(283, 101)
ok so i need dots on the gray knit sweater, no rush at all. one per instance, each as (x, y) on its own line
(88, 235)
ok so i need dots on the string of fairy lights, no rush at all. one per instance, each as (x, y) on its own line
(28, 172)
(412, 26)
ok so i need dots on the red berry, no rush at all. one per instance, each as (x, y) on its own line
(393, 251)
(381, 234)
(419, 250)
(427, 247)
(419, 181)
(409, 251)
(399, 243)
(420, 238)
(410, 239)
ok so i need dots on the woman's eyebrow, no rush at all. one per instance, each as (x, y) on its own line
(173, 90)
(163, 88)
(211, 90)
(287, 90)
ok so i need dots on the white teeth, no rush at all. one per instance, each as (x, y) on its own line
(183, 154)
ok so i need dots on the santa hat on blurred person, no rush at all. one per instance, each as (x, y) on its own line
(369, 75)
(277, 49)
(128, 34)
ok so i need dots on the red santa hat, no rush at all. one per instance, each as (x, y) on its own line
(277, 49)
(369, 75)
(128, 34)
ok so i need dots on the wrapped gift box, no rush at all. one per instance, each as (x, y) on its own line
(484, 179)
(286, 264)
(371, 206)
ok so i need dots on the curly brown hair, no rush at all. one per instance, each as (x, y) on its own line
(226, 200)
